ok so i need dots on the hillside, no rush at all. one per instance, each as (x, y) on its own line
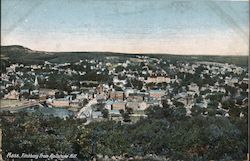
(20, 54)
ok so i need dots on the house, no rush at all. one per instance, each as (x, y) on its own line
(44, 92)
(96, 114)
(238, 70)
(108, 104)
(128, 91)
(117, 95)
(143, 106)
(118, 106)
(74, 87)
(136, 97)
(185, 100)
(100, 89)
(61, 102)
(202, 104)
(157, 94)
(217, 89)
(132, 105)
(136, 106)
(74, 103)
(153, 103)
(245, 80)
(82, 96)
(34, 93)
(241, 100)
(193, 87)
(34, 67)
(230, 81)
(23, 91)
(157, 79)
(13, 95)
(117, 81)
(114, 113)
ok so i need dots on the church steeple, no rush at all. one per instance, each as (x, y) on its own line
(36, 82)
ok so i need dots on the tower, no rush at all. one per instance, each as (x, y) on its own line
(36, 82)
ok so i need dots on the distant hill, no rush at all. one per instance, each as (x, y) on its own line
(15, 48)
(20, 54)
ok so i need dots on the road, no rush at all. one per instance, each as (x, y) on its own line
(86, 111)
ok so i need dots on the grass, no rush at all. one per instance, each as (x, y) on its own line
(9, 103)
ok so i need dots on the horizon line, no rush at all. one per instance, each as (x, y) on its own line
(127, 53)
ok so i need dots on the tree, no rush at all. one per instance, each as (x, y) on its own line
(196, 110)
(105, 113)
(129, 110)
(137, 84)
(178, 104)
(59, 94)
(119, 69)
(165, 132)
(234, 111)
(126, 117)
(228, 104)
(211, 111)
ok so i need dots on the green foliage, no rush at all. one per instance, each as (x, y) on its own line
(29, 86)
(166, 132)
(24, 55)
(119, 69)
(105, 113)
(136, 84)
(196, 110)
(178, 104)
(215, 97)
(33, 133)
(3, 65)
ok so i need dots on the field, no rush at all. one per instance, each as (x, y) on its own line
(8, 103)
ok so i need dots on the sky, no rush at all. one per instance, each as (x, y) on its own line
(132, 26)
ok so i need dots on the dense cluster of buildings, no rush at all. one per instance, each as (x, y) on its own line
(135, 83)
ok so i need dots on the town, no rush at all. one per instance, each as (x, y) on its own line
(124, 80)
(114, 106)
(122, 88)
